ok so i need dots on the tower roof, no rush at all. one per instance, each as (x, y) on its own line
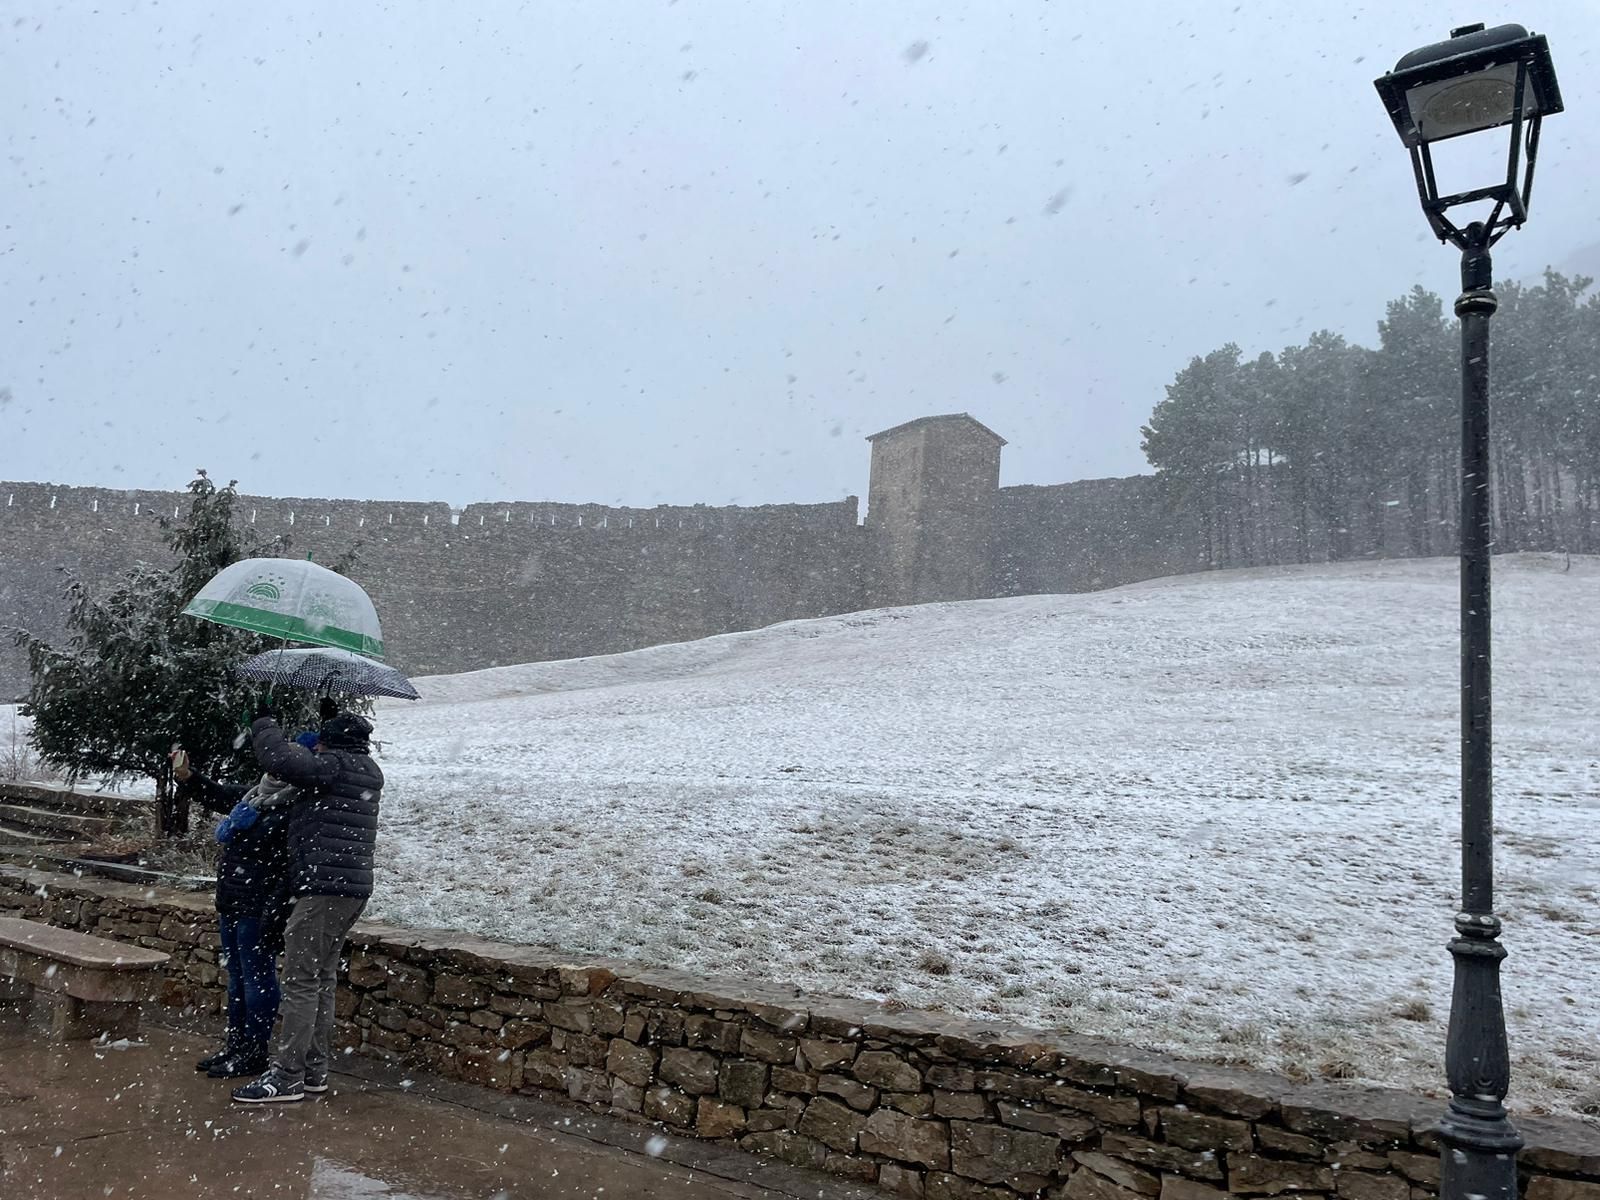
(941, 419)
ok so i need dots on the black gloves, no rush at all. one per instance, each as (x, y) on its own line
(263, 710)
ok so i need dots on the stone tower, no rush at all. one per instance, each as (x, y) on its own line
(931, 511)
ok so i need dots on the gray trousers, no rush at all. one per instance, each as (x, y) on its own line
(312, 941)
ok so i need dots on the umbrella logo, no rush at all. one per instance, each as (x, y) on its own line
(264, 591)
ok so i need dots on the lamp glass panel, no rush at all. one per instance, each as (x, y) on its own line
(1448, 108)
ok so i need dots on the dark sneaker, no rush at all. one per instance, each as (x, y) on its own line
(269, 1089)
(316, 1084)
(229, 1048)
(241, 1065)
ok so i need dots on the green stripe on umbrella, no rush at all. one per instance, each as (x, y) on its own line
(290, 628)
(293, 599)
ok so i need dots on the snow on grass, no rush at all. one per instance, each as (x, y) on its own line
(1213, 815)
(19, 762)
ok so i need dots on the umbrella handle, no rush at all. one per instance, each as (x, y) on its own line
(283, 645)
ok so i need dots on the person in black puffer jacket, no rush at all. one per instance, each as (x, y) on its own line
(333, 827)
(252, 903)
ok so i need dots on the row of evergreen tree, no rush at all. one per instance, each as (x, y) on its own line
(1332, 450)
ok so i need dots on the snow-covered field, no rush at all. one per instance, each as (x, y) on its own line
(1213, 815)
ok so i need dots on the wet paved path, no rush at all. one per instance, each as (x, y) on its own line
(86, 1122)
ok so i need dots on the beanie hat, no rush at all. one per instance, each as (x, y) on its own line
(347, 731)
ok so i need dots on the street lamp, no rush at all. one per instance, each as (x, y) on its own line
(1477, 81)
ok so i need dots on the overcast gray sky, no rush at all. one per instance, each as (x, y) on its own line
(697, 251)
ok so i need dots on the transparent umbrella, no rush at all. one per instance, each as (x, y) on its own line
(292, 599)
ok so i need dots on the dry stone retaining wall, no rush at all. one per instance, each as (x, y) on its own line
(921, 1105)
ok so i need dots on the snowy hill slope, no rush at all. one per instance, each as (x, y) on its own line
(1213, 815)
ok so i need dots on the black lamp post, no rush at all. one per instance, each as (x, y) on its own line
(1480, 80)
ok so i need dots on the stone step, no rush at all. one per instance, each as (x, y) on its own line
(128, 873)
(14, 835)
(53, 821)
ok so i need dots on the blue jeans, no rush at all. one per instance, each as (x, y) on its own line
(252, 979)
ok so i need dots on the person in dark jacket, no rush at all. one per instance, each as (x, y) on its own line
(252, 875)
(333, 827)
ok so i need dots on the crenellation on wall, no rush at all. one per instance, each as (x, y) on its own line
(664, 518)
(299, 513)
(289, 511)
(38, 499)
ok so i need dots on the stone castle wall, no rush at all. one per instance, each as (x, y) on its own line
(919, 1104)
(521, 582)
(1097, 533)
(490, 585)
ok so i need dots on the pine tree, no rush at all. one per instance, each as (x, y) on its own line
(1194, 439)
(1418, 384)
(1309, 455)
(137, 676)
